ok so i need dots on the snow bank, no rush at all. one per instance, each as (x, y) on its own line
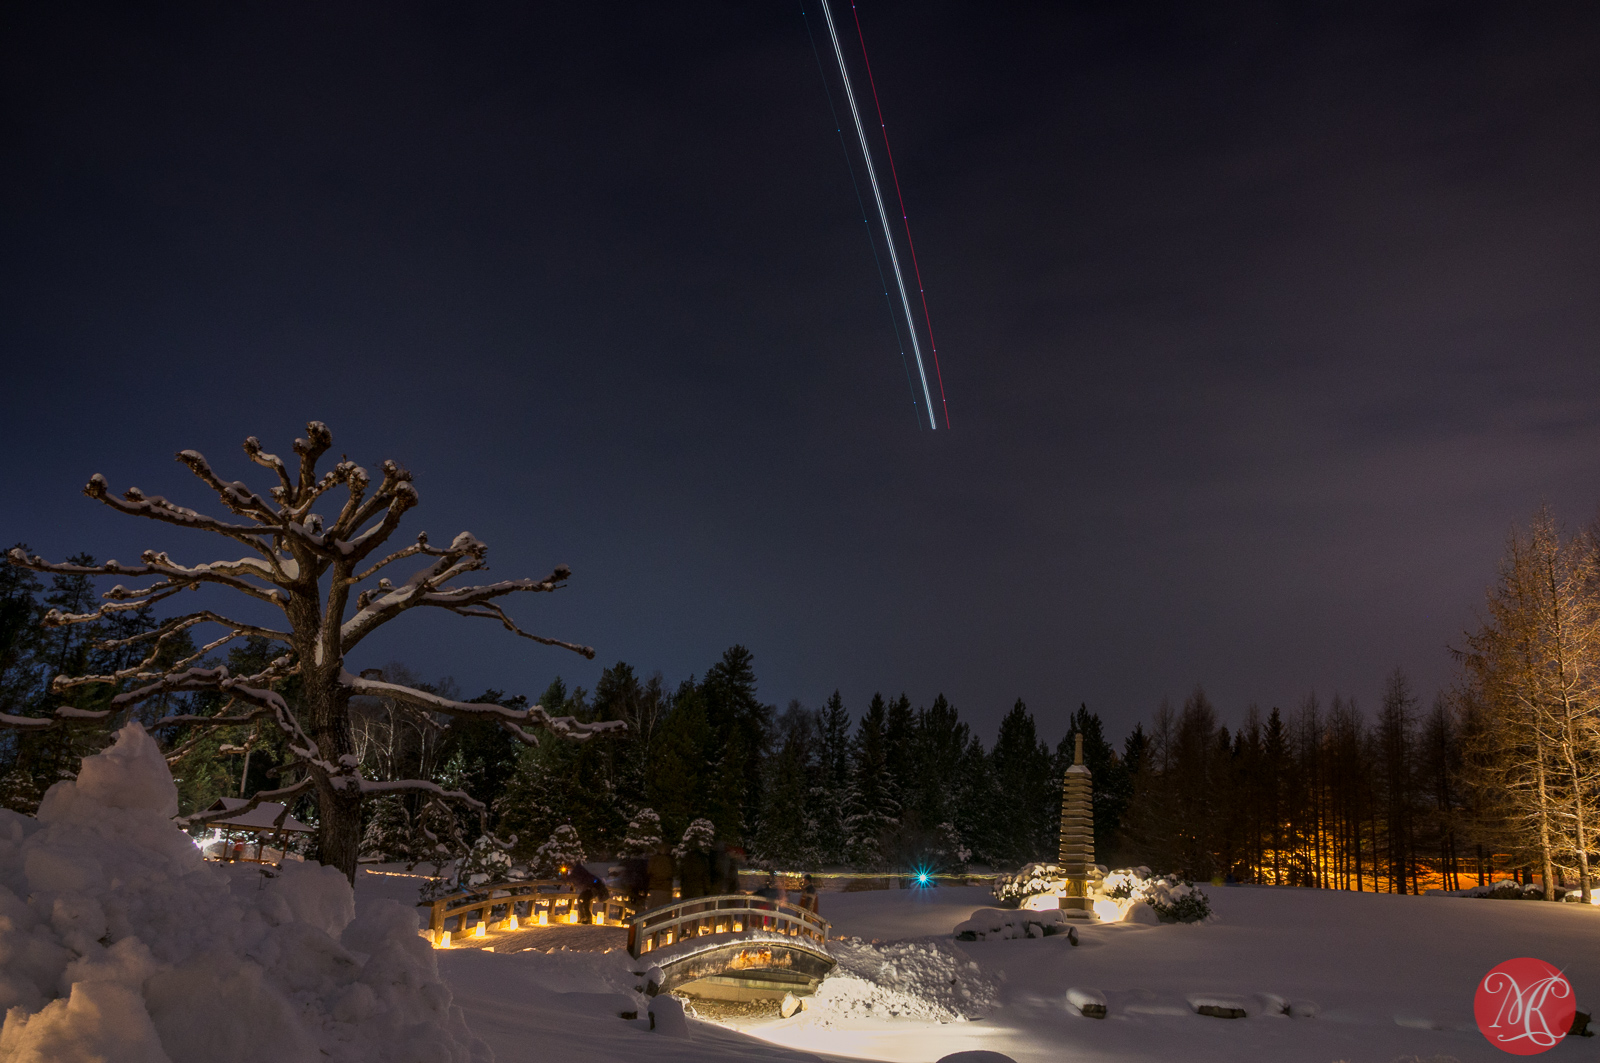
(117, 941)
(928, 980)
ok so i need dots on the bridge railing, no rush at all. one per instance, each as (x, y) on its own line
(556, 899)
(724, 914)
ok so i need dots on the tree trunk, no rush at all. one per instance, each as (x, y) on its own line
(327, 711)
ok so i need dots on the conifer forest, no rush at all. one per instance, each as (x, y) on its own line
(1498, 773)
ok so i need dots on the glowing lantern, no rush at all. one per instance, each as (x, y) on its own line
(481, 930)
(511, 921)
(444, 939)
(544, 917)
(572, 916)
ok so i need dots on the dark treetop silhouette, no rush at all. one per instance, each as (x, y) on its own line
(309, 568)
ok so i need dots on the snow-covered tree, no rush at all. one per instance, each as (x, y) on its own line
(487, 862)
(872, 811)
(700, 836)
(563, 850)
(310, 568)
(644, 835)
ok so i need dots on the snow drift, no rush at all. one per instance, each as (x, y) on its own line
(117, 941)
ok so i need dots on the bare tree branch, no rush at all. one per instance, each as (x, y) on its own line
(494, 612)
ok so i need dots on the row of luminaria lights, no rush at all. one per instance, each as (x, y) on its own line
(481, 929)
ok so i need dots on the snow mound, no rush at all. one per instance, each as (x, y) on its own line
(1004, 924)
(119, 942)
(929, 980)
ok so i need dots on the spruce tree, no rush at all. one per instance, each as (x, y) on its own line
(830, 786)
(1026, 824)
(872, 813)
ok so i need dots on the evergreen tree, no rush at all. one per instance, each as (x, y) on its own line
(560, 854)
(830, 786)
(787, 835)
(679, 771)
(1028, 806)
(941, 742)
(740, 727)
(643, 836)
(20, 637)
(872, 812)
(977, 803)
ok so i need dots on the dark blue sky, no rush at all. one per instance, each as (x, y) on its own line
(1259, 325)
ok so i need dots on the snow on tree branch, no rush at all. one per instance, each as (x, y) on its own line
(511, 719)
(282, 793)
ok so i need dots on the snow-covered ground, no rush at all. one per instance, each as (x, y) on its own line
(1382, 977)
(118, 943)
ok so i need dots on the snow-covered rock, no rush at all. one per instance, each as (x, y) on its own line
(118, 942)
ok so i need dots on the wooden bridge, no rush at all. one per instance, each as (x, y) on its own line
(733, 947)
(534, 902)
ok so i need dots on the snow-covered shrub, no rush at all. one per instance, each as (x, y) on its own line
(563, 851)
(1120, 885)
(644, 835)
(1032, 880)
(1507, 889)
(1173, 899)
(121, 943)
(700, 837)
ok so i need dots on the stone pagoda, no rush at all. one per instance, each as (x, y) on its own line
(1077, 833)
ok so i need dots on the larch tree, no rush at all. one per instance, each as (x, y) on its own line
(1535, 663)
(310, 570)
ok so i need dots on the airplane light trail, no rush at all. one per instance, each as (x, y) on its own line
(906, 218)
(883, 215)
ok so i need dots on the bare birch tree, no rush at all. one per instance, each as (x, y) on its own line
(309, 569)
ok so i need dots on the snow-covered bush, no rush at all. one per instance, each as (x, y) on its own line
(700, 837)
(644, 835)
(121, 943)
(1506, 889)
(563, 851)
(1030, 881)
(1120, 885)
(1173, 899)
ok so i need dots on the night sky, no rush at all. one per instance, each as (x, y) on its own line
(1259, 324)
